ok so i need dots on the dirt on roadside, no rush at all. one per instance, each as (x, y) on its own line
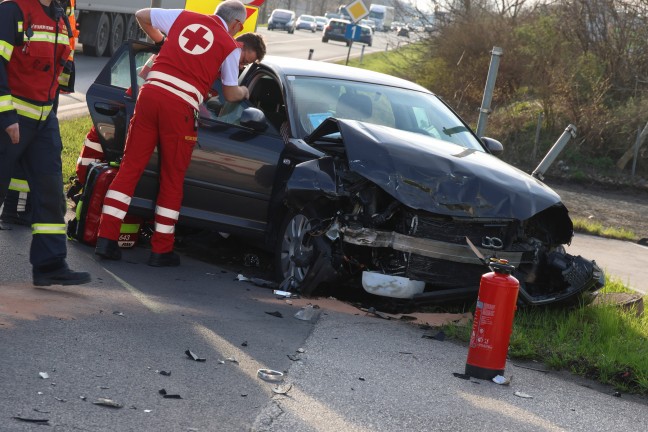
(611, 206)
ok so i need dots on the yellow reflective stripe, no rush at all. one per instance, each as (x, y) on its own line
(29, 110)
(5, 103)
(20, 26)
(64, 79)
(41, 36)
(5, 50)
(129, 228)
(19, 185)
(48, 228)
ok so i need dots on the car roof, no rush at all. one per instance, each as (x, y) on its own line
(339, 20)
(290, 66)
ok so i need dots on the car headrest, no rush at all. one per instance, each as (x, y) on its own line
(354, 107)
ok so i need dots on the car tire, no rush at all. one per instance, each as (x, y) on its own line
(325, 40)
(117, 31)
(100, 22)
(293, 241)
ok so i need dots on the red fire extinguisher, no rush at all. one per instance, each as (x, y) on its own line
(493, 321)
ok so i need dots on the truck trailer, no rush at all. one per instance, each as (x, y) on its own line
(382, 15)
(103, 26)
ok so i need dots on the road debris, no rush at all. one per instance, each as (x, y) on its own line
(108, 403)
(194, 357)
(121, 314)
(499, 379)
(43, 375)
(32, 420)
(306, 313)
(275, 314)
(232, 360)
(293, 357)
(166, 395)
(270, 375)
(282, 390)
(523, 395)
(440, 336)
(165, 373)
(244, 344)
(301, 350)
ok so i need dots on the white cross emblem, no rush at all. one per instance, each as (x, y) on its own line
(196, 39)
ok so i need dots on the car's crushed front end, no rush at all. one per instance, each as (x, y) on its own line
(400, 205)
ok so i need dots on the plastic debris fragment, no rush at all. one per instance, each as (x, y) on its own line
(244, 344)
(283, 389)
(301, 350)
(165, 373)
(293, 357)
(194, 357)
(107, 402)
(275, 314)
(43, 375)
(306, 313)
(32, 420)
(232, 360)
(241, 278)
(121, 314)
(166, 395)
(270, 375)
(440, 336)
(282, 294)
(523, 395)
(147, 411)
(499, 379)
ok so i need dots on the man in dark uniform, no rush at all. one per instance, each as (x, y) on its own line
(34, 47)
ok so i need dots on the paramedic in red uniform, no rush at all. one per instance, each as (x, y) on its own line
(34, 46)
(197, 47)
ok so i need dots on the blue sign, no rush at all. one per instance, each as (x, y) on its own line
(353, 32)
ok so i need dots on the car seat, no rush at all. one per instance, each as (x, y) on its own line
(354, 106)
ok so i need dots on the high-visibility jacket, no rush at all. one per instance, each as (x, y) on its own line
(202, 42)
(90, 152)
(67, 77)
(34, 66)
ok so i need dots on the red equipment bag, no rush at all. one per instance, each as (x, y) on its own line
(88, 213)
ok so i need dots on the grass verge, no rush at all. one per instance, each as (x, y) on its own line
(73, 133)
(594, 228)
(601, 342)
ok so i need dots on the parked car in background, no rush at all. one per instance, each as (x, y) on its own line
(335, 30)
(355, 178)
(321, 22)
(282, 19)
(306, 22)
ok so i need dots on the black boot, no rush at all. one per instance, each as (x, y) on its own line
(62, 276)
(168, 259)
(108, 249)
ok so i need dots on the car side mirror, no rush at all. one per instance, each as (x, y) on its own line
(254, 119)
(493, 146)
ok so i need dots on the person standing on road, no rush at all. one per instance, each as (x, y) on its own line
(16, 208)
(195, 49)
(34, 46)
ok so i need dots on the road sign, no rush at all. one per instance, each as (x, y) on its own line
(353, 32)
(357, 10)
(209, 6)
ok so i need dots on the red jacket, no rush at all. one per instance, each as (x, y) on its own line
(191, 57)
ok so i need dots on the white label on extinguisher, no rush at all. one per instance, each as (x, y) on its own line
(480, 336)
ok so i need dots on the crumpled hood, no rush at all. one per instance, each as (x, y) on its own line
(440, 177)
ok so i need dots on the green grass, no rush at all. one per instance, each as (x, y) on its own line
(73, 134)
(594, 228)
(601, 342)
(388, 61)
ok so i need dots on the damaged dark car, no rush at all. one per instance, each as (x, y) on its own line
(356, 177)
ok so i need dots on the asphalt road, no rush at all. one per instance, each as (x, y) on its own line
(110, 338)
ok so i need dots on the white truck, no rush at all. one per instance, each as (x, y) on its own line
(103, 26)
(382, 15)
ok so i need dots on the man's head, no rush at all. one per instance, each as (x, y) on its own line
(253, 48)
(234, 14)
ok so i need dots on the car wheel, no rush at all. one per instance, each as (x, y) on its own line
(294, 248)
(116, 35)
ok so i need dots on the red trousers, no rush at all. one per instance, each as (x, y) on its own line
(163, 119)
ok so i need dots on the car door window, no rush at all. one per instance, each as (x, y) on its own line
(120, 71)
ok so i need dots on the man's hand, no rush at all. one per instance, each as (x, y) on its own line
(14, 133)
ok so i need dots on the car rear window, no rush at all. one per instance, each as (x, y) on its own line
(282, 15)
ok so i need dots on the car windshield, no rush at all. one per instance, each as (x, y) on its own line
(316, 99)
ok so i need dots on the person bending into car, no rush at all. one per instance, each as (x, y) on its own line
(196, 48)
